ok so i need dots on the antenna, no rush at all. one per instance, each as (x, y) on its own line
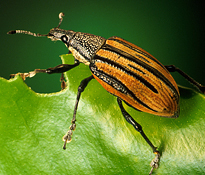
(25, 32)
(34, 34)
(61, 14)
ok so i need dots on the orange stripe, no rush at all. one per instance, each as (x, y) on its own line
(155, 101)
(158, 84)
(131, 101)
(165, 101)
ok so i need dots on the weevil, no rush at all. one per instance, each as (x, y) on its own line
(124, 70)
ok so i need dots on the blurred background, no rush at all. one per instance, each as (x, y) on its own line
(172, 31)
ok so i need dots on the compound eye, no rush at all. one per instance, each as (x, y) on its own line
(64, 38)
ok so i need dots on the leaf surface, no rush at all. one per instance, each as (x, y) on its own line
(32, 126)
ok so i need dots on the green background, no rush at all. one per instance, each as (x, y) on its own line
(172, 31)
(33, 124)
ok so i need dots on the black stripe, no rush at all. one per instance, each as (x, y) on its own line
(139, 51)
(108, 79)
(149, 68)
(127, 71)
(112, 81)
(136, 68)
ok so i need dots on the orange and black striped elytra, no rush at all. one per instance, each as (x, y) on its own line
(136, 77)
(124, 70)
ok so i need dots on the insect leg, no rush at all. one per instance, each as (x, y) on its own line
(172, 68)
(58, 69)
(82, 86)
(138, 127)
(62, 80)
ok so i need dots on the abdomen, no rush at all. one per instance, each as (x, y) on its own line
(135, 76)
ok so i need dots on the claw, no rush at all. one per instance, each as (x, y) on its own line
(68, 137)
(23, 75)
(155, 162)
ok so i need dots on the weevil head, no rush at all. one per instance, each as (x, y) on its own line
(57, 34)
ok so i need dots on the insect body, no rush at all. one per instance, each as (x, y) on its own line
(124, 70)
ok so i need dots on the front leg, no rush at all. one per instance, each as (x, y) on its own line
(58, 69)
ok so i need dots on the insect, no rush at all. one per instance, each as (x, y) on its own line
(124, 70)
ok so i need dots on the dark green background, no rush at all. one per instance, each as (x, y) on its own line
(172, 31)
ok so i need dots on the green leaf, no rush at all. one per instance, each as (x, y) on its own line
(32, 126)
